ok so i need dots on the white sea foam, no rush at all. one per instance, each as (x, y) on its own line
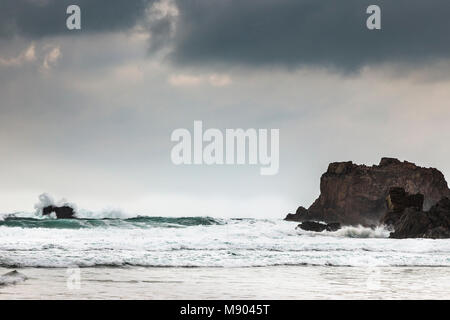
(230, 243)
(362, 232)
(12, 277)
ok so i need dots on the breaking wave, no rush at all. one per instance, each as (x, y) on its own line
(137, 222)
(113, 238)
(203, 242)
(362, 232)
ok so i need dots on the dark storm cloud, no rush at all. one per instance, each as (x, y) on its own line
(258, 33)
(310, 32)
(37, 18)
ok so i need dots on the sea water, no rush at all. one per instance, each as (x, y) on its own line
(205, 257)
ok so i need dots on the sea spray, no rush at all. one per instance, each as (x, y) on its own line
(46, 200)
(362, 232)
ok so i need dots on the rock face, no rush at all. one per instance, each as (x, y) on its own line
(301, 212)
(319, 226)
(397, 201)
(64, 212)
(356, 194)
(413, 223)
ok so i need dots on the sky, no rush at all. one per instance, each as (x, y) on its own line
(87, 115)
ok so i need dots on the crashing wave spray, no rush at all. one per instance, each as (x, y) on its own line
(46, 200)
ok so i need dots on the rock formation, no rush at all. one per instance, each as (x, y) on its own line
(356, 194)
(409, 221)
(397, 201)
(301, 212)
(64, 212)
(319, 226)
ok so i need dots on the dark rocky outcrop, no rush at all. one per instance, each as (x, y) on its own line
(407, 219)
(413, 223)
(319, 226)
(333, 226)
(301, 211)
(397, 201)
(64, 212)
(356, 194)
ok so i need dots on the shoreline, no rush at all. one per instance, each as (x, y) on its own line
(274, 282)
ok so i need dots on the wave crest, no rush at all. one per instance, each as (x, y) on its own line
(136, 222)
(362, 232)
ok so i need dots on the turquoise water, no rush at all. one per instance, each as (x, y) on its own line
(137, 222)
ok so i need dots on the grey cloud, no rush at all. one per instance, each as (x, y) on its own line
(37, 18)
(263, 33)
(328, 33)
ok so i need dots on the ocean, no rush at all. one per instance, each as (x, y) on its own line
(144, 257)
